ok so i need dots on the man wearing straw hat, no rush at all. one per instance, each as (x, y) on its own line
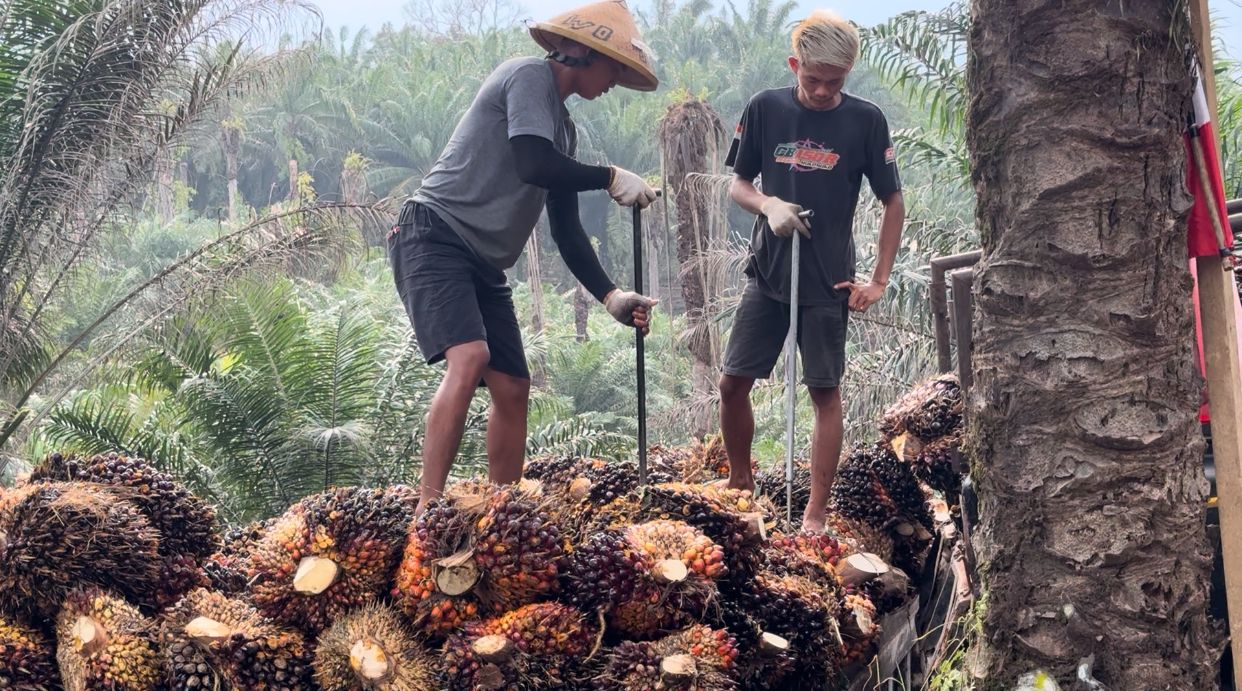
(811, 145)
(509, 158)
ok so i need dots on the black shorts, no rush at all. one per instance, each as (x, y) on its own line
(451, 295)
(759, 331)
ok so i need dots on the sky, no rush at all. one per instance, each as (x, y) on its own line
(374, 13)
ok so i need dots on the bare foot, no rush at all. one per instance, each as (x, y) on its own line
(811, 525)
(747, 483)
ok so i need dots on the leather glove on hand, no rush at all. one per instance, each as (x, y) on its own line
(630, 308)
(627, 189)
(783, 218)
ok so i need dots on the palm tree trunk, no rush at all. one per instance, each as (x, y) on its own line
(231, 137)
(582, 310)
(689, 131)
(1083, 435)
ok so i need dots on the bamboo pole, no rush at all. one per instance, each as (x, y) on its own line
(1217, 293)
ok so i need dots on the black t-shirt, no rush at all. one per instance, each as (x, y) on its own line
(816, 159)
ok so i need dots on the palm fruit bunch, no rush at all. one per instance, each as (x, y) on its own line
(810, 555)
(934, 465)
(535, 646)
(373, 648)
(552, 471)
(932, 409)
(58, 536)
(770, 483)
(226, 568)
(517, 548)
(696, 659)
(330, 553)
(860, 536)
(26, 659)
(763, 660)
(210, 640)
(858, 626)
(667, 460)
(477, 549)
(603, 571)
(802, 612)
(186, 524)
(678, 582)
(103, 643)
(731, 518)
(876, 488)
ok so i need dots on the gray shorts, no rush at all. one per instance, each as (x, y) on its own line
(451, 295)
(759, 331)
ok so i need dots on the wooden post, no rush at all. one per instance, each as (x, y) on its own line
(1217, 293)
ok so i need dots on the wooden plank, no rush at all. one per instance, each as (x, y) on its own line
(1217, 292)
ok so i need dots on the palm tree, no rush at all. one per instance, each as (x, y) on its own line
(1083, 434)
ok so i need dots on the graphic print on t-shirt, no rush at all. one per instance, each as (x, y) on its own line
(805, 155)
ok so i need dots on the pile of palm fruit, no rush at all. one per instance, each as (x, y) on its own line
(114, 577)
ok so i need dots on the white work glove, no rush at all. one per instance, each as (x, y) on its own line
(630, 308)
(783, 218)
(627, 189)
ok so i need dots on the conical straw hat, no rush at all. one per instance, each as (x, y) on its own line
(607, 28)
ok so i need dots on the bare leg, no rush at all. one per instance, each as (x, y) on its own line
(446, 420)
(506, 426)
(825, 453)
(737, 426)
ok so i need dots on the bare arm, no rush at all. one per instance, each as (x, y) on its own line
(745, 195)
(890, 237)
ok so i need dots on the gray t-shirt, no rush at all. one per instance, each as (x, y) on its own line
(474, 186)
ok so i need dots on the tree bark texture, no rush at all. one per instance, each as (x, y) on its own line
(1083, 433)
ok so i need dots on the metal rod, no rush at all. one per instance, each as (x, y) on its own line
(791, 366)
(1233, 206)
(791, 375)
(641, 355)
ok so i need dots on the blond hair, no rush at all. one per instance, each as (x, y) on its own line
(825, 38)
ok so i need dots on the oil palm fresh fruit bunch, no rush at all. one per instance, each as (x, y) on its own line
(770, 484)
(805, 614)
(677, 581)
(103, 643)
(860, 536)
(330, 553)
(226, 567)
(874, 487)
(934, 465)
(186, 524)
(536, 646)
(931, 409)
(731, 518)
(698, 658)
(27, 658)
(478, 549)
(859, 627)
(373, 649)
(210, 640)
(55, 537)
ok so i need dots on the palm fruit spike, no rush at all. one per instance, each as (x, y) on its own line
(699, 658)
(59, 536)
(27, 662)
(213, 641)
(330, 553)
(104, 644)
(931, 409)
(186, 524)
(372, 648)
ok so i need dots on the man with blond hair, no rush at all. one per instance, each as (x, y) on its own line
(810, 145)
(511, 155)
